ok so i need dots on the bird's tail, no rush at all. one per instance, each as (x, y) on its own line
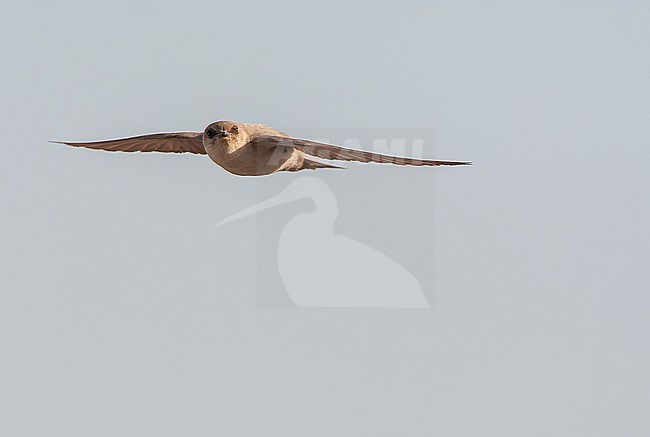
(308, 164)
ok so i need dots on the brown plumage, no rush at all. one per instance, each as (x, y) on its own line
(247, 149)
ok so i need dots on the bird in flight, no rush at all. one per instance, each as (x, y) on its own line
(247, 149)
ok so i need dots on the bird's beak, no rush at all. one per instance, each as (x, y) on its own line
(222, 133)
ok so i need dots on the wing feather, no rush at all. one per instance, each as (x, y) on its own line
(174, 142)
(338, 153)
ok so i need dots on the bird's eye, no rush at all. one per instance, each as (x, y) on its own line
(234, 129)
(211, 133)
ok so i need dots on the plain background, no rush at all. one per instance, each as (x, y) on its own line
(124, 312)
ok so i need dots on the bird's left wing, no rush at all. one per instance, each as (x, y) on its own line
(175, 142)
(338, 153)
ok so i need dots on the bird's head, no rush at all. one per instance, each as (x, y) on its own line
(225, 133)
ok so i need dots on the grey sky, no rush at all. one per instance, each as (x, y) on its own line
(124, 311)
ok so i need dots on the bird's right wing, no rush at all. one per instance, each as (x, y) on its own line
(175, 142)
(338, 153)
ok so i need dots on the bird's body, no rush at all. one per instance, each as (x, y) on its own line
(238, 153)
(247, 149)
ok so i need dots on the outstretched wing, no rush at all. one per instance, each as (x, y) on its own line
(338, 153)
(175, 142)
